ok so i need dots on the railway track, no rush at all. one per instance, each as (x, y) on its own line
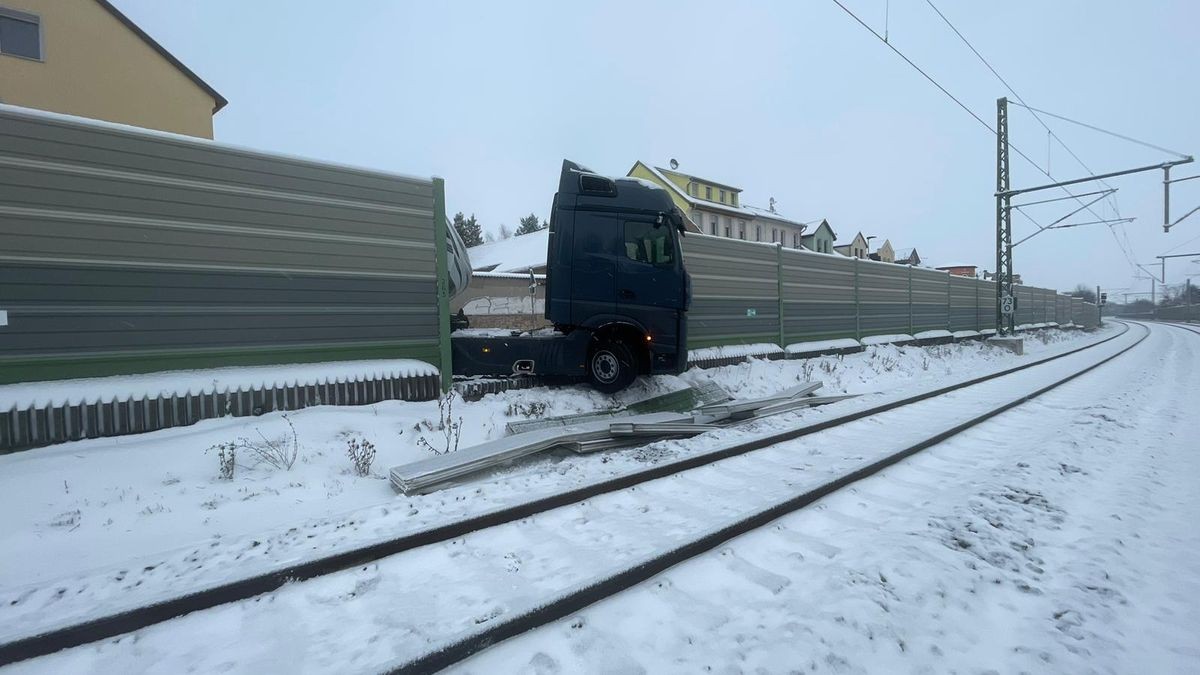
(1189, 327)
(500, 627)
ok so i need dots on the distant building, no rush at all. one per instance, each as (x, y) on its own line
(907, 256)
(775, 228)
(857, 248)
(960, 270)
(821, 239)
(86, 58)
(716, 208)
(884, 253)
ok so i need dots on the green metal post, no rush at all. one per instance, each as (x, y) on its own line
(443, 283)
(857, 309)
(779, 291)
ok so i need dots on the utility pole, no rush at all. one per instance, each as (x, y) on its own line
(1005, 303)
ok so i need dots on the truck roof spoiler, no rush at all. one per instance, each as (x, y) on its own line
(568, 180)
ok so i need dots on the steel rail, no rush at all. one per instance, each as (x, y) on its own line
(601, 589)
(130, 620)
(1191, 328)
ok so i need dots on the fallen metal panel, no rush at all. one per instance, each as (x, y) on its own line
(682, 400)
(742, 406)
(429, 474)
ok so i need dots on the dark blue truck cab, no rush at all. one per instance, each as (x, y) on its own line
(617, 292)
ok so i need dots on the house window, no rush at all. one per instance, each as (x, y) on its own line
(741, 229)
(795, 240)
(648, 243)
(722, 196)
(774, 234)
(708, 193)
(733, 198)
(758, 233)
(20, 34)
(713, 222)
(692, 189)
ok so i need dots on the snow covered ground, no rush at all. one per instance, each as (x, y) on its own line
(1058, 537)
(105, 524)
(393, 592)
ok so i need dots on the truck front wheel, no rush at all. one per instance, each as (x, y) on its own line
(611, 367)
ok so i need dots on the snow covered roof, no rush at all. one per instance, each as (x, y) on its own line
(954, 264)
(515, 254)
(694, 201)
(822, 222)
(774, 215)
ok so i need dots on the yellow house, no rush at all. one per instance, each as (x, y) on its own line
(86, 58)
(717, 209)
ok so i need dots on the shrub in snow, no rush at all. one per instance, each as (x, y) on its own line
(226, 458)
(280, 453)
(446, 424)
(533, 409)
(362, 454)
(807, 369)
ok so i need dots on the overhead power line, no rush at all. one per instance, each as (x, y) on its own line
(1125, 246)
(1104, 131)
(1021, 101)
(935, 83)
(926, 75)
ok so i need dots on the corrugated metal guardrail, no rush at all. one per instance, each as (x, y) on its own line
(45, 424)
(749, 292)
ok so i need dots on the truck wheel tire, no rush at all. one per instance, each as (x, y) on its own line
(611, 367)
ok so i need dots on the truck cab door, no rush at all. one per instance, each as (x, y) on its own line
(649, 274)
(593, 265)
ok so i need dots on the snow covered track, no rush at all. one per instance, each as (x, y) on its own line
(599, 589)
(1058, 537)
(445, 535)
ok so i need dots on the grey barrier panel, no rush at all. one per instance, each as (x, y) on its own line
(987, 305)
(734, 291)
(1180, 313)
(126, 251)
(964, 309)
(1091, 315)
(1024, 297)
(1077, 311)
(819, 295)
(930, 300)
(884, 301)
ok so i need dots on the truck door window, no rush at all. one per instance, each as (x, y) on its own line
(649, 243)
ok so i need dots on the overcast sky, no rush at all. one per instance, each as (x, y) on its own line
(791, 100)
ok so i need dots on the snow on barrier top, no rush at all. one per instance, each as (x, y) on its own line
(886, 339)
(183, 382)
(932, 334)
(822, 346)
(733, 351)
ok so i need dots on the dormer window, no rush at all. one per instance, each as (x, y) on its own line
(722, 196)
(708, 193)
